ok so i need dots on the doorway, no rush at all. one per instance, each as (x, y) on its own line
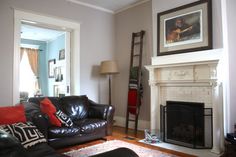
(40, 45)
(57, 74)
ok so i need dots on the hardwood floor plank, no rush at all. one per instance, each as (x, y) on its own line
(119, 134)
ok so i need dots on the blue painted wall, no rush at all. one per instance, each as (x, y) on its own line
(43, 79)
(53, 53)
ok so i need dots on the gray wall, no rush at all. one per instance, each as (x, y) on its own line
(97, 42)
(230, 26)
(132, 20)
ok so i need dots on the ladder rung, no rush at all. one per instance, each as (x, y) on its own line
(132, 106)
(137, 43)
(137, 34)
(132, 120)
(136, 55)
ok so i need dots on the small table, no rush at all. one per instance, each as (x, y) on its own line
(230, 146)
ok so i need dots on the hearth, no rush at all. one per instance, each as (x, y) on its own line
(187, 124)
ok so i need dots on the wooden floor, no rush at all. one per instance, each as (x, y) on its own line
(119, 134)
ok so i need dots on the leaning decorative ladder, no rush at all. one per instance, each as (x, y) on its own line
(135, 87)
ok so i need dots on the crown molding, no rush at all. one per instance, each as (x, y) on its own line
(130, 6)
(107, 10)
(91, 6)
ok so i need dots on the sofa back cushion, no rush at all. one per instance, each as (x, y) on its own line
(55, 100)
(76, 107)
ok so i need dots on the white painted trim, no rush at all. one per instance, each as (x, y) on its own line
(68, 61)
(227, 82)
(16, 60)
(31, 46)
(74, 27)
(91, 6)
(107, 10)
(142, 124)
(131, 6)
(201, 56)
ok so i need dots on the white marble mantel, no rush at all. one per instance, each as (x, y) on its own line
(183, 77)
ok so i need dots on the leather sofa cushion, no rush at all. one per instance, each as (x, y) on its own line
(75, 107)
(58, 132)
(88, 126)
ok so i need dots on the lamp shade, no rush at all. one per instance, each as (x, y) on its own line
(108, 67)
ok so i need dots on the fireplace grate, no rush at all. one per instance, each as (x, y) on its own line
(187, 124)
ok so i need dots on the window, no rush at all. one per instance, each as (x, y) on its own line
(27, 77)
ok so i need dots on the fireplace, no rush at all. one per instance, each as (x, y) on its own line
(187, 124)
(187, 78)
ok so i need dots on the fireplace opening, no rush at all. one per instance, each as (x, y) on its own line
(187, 124)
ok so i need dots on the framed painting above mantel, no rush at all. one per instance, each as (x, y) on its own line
(185, 29)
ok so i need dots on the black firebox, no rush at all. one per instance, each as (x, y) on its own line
(187, 124)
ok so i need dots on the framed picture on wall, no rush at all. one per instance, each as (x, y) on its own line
(62, 54)
(51, 68)
(185, 29)
(56, 90)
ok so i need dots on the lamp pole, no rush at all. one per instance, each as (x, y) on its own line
(109, 75)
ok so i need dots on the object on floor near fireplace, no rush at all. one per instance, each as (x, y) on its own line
(187, 124)
(152, 136)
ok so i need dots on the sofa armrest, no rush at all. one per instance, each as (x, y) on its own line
(10, 146)
(102, 111)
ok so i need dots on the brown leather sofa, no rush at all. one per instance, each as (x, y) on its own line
(91, 120)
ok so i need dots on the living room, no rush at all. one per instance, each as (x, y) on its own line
(106, 35)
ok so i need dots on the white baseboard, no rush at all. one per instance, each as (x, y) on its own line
(142, 124)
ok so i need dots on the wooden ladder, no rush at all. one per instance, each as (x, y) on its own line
(134, 87)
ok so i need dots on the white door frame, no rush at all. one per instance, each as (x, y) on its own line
(74, 28)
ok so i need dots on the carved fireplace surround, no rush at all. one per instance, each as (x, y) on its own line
(191, 77)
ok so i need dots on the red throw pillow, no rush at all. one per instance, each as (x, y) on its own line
(12, 114)
(48, 108)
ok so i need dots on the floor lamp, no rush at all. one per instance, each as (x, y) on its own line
(109, 68)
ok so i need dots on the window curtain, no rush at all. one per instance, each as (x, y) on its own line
(33, 61)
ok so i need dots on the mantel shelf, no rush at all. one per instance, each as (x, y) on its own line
(208, 81)
(151, 67)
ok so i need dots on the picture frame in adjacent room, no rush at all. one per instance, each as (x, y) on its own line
(56, 90)
(51, 63)
(62, 54)
(185, 29)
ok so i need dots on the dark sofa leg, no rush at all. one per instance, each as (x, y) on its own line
(104, 139)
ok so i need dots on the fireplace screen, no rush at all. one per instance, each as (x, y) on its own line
(187, 123)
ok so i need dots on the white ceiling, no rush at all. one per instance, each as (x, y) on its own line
(38, 33)
(112, 5)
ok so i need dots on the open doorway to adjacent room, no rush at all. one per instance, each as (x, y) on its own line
(38, 75)
(45, 55)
